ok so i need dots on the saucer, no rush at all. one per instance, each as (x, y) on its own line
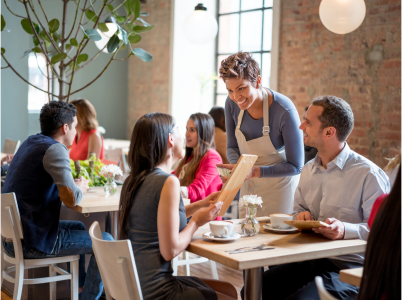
(270, 227)
(210, 237)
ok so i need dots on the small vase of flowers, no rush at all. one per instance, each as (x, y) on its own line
(110, 171)
(250, 225)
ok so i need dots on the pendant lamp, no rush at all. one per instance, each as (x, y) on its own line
(106, 35)
(200, 27)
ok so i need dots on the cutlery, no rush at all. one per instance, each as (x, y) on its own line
(255, 248)
(251, 250)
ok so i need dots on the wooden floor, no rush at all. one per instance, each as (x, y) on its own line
(203, 271)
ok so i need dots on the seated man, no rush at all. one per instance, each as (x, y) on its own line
(339, 187)
(40, 176)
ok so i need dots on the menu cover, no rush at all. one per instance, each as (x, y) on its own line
(306, 225)
(235, 180)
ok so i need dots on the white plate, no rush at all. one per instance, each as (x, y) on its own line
(209, 236)
(270, 227)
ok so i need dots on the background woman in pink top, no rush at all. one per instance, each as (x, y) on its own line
(197, 171)
(88, 138)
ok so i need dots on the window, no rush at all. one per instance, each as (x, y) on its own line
(245, 25)
(37, 76)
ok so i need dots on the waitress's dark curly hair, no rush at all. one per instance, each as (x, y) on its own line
(241, 66)
(55, 114)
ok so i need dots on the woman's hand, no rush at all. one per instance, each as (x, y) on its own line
(205, 215)
(225, 166)
(255, 172)
(209, 200)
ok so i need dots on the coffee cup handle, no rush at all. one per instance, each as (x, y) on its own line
(226, 231)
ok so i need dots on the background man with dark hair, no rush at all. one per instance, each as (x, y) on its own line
(40, 176)
(338, 187)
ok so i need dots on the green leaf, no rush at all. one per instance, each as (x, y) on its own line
(54, 25)
(91, 15)
(113, 43)
(121, 19)
(135, 8)
(26, 25)
(3, 50)
(37, 50)
(93, 34)
(143, 22)
(141, 29)
(3, 24)
(127, 7)
(123, 36)
(74, 42)
(35, 41)
(58, 57)
(134, 39)
(142, 54)
(56, 37)
(110, 7)
(68, 47)
(82, 58)
(103, 27)
(26, 53)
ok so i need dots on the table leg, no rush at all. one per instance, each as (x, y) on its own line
(108, 223)
(253, 284)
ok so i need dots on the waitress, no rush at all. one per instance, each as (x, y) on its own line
(265, 123)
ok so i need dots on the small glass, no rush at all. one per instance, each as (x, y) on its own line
(110, 187)
(250, 225)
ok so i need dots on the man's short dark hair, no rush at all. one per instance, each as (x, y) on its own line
(337, 113)
(55, 114)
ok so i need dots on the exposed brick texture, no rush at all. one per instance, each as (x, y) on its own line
(362, 67)
(148, 82)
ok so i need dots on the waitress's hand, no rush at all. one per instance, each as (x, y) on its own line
(225, 166)
(255, 172)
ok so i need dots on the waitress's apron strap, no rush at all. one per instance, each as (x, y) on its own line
(265, 107)
(239, 119)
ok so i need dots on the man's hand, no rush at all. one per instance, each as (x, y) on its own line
(82, 183)
(8, 158)
(304, 216)
(209, 200)
(335, 230)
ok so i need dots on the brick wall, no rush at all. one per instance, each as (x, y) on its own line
(148, 83)
(362, 67)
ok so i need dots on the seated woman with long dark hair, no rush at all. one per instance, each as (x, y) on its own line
(153, 217)
(197, 172)
(382, 264)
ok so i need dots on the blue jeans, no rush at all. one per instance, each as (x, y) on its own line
(72, 239)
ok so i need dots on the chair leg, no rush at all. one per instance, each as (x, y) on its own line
(19, 281)
(52, 285)
(214, 270)
(74, 280)
(185, 256)
(174, 265)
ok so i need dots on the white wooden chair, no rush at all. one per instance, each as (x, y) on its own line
(118, 156)
(11, 146)
(117, 266)
(186, 261)
(11, 228)
(322, 292)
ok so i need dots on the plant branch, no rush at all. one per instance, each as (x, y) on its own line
(116, 8)
(11, 67)
(82, 17)
(95, 56)
(48, 80)
(5, 2)
(75, 19)
(100, 74)
(40, 4)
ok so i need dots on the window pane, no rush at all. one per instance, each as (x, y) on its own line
(257, 58)
(220, 100)
(250, 31)
(229, 34)
(36, 98)
(268, 29)
(269, 3)
(266, 69)
(251, 4)
(221, 87)
(227, 6)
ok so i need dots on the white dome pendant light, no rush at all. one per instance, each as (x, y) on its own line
(200, 27)
(106, 35)
(342, 16)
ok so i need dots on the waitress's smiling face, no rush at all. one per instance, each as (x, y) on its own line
(242, 91)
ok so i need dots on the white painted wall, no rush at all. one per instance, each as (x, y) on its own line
(190, 62)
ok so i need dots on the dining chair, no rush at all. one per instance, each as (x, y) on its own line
(11, 228)
(118, 156)
(186, 261)
(322, 292)
(116, 265)
(11, 146)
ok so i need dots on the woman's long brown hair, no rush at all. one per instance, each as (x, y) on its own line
(148, 148)
(86, 114)
(382, 263)
(205, 126)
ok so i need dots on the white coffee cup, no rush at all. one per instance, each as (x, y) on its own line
(221, 228)
(277, 220)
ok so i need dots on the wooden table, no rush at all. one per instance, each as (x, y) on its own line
(288, 248)
(95, 200)
(351, 276)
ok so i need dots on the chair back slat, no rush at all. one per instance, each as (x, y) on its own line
(7, 220)
(117, 266)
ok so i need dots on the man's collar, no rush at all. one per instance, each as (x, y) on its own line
(339, 161)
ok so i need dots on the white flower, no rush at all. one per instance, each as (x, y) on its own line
(111, 169)
(101, 130)
(250, 199)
